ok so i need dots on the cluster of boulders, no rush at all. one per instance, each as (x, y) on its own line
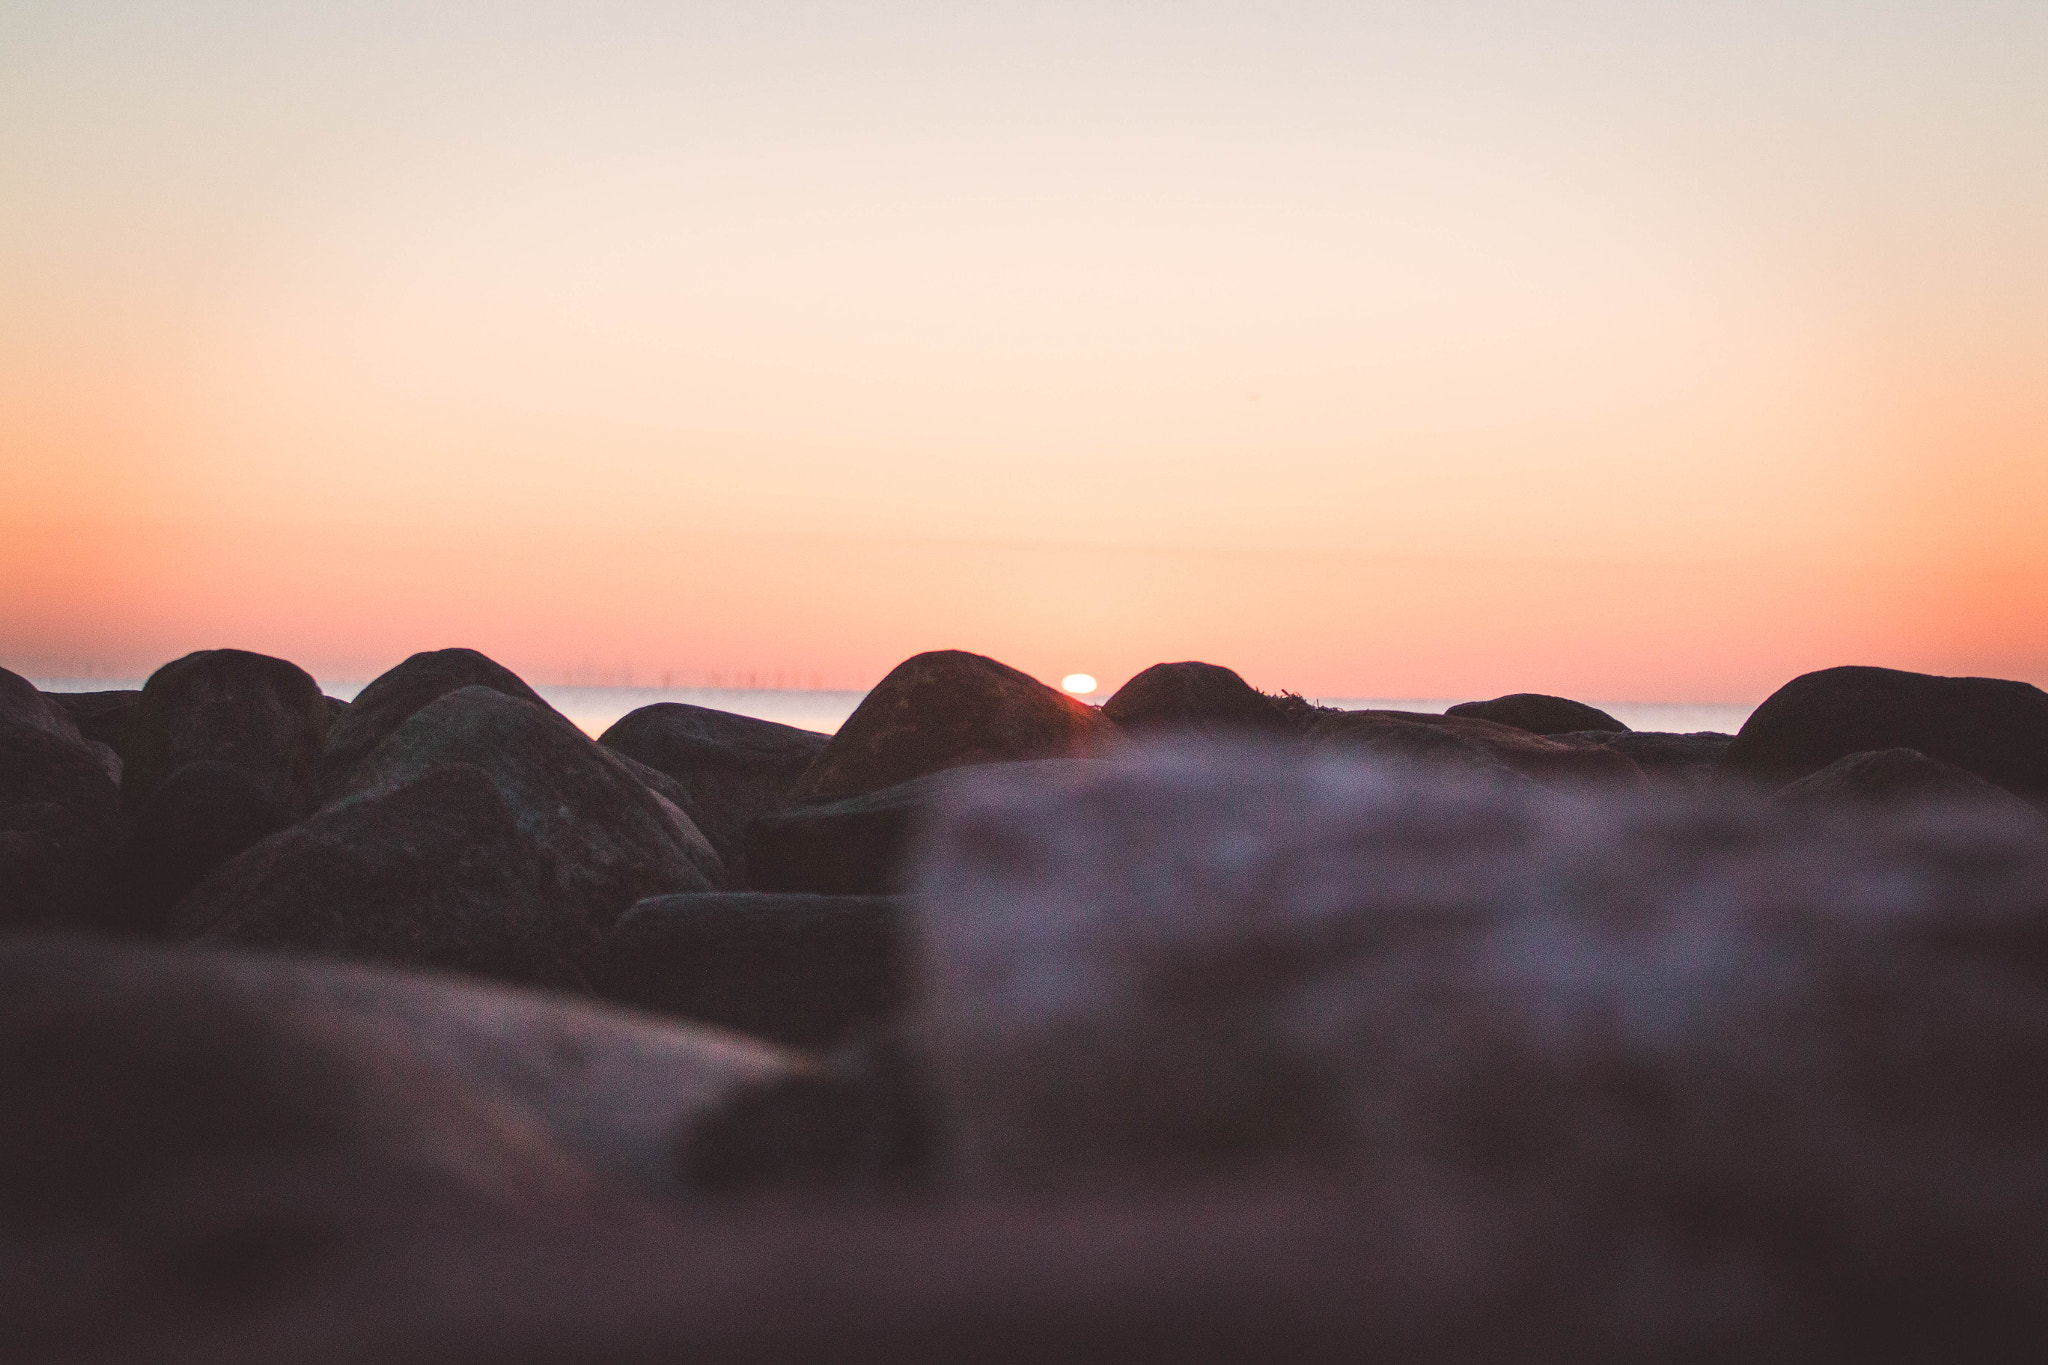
(1202, 1025)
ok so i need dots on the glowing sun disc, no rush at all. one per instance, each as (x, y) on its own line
(1078, 683)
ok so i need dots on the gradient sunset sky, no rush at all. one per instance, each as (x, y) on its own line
(1652, 351)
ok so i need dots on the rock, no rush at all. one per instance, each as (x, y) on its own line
(263, 715)
(618, 839)
(103, 717)
(856, 846)
(803, 970)
(731, 768)
(22, 703)
(1196, 696)
(433, 872)
(860, 1122)
(1994, 728)
(199, 817)
(1683, 760)
(398, 693)
(948, 709)
(484, 835)
(1646, 1023)
(1896, 776)
(130, 1076)
(1539, 714)
(63, 831)
(1462, 738)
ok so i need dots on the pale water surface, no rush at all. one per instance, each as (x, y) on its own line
(595, 708)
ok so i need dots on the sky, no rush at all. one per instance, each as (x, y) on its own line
(1648, 351)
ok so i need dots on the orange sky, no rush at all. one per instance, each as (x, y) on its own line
(1616, 350)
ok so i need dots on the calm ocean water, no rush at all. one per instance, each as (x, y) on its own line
(595, 708)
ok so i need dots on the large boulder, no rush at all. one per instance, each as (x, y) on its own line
(263, 715)
(617, 838)
(1539, 714)
(132, 1075)
(855, 846)
(1195, 696)
(103, 717)
(63, 829)
(395, 695)
(1462, 740)
(804, 970)
(1995, 728)
(613, 1088)
(731, 768)
(1689, 760)
(1893, 777)
(199, 817)
(235, 1157)
(22, 702)
(436, 871)
(1737, 1073)
(948, 709)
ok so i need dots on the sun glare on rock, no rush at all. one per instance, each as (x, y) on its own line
(1078, 683)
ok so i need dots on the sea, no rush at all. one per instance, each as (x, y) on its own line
(594, 709)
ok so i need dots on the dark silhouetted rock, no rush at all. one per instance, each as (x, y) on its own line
(432, 872)
(1895, 776)
(798, 969)
(861, 1121)
(63, 830)
(1680, 760)
(101, 716)
(731, 768)
(20, 701)
(263, 715)
(398, 693)
(1539, 714)
(947, 709)
(856, 846)
(129, 1075)
(1391, 734)
(1994, 728)
(1599, 1004)
(199, 817)
(1194, 696)
(618, 839)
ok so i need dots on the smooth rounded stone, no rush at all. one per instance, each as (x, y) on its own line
(1995, 728)
(101, 716)
(614, 1087)
(1583, 1007)
(859, 846)
(63, 833)
(948, 709)
(1539, 714)
(856, 846)
(432, 872)
(199, 817)
(1895, 776)
(264, 715)
(731, 768)
(131, 1074)
(1197, 696)
(1682, 760)
(398, 693)
(1392, 734)
(22, 702)
(803, 970)
(616, 839)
